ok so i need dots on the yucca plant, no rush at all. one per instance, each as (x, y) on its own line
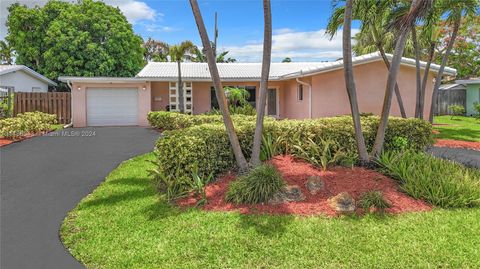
(270, 146)
(371, 199)
(322, 154)
(198, 186)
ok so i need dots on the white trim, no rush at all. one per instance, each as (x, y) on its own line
(6, 69)
(102, 79)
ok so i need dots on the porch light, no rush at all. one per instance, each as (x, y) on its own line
(79, 89)
(144, 88)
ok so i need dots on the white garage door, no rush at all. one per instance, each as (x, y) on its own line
(110, 107)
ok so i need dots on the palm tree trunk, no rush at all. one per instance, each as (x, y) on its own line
(350, 83)
(379, 45)
(431, 54)
(417, 71)
(180, 95)
(267, 54)
(438, 79)
(222, 101)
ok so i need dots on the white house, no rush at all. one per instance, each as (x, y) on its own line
(23, 79)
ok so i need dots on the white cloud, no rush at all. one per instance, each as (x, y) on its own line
(133, 10)
(155, 28)
(300, 46)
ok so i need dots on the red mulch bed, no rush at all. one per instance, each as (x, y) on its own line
(457, 144)
(5, 141)
(355, 181)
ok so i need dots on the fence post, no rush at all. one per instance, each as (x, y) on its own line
(9, 102)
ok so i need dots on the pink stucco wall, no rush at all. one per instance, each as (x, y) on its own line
(79, 100)
(159, 95)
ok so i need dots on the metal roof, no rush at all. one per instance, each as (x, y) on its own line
(167, 71)
(453, 86)
(5, 69)
(469, 81)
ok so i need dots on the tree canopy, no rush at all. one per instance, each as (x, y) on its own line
(88, 38)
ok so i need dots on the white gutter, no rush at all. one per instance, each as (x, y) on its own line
(309, 95)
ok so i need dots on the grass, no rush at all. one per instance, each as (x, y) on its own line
(458, 128)
(125, 224)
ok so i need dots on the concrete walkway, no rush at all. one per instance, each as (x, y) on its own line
(465, 156)
(45, 177)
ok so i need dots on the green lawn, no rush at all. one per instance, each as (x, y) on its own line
(124, 224)
(458, 128)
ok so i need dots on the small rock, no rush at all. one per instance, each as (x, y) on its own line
(291, 193)
(314, 184)
(342, 203)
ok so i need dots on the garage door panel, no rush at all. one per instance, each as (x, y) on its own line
(107, 107)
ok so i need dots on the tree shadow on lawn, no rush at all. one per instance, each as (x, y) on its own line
(266, 225)
(459, 134)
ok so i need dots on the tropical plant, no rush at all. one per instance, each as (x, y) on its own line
(258, 186)
(198, 185)
(440, 182)
(476, 107)
(85, 38)
(322, 154)
(457, 110)
(237, 96)
(220, 58)
(178, 53)
(271, 146)
(454, 10)
(222, 101)
(404, 25)
(350, 83)
(262, 101)
(6, 53)
(373, 199)
(156, 51)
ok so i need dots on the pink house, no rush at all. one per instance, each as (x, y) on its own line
(295, 91)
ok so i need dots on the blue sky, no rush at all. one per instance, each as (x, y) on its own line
(298, 25)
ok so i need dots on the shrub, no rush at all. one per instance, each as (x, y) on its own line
(26, 123)
(166, 121)
(207, 145)
(457, 110)
(374, 199)
(323, 154)
(258, 186)
(476, 107)
(440, 182)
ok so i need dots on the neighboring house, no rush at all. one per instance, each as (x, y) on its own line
(295, 90)
(23, 79)
(473, 94)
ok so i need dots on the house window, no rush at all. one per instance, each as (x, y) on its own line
(300, 92)
(252, 90)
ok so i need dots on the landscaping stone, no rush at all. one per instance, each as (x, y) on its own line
(291, 193)
(314, 184)
(342, 203)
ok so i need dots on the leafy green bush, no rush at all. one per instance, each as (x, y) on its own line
(323, 154)
(476, 107)
(26, 123)
(258, 186)
(166, 121)
(457, 110)
(208, 147)
(440, 182)
(374, 199)
(270, 147)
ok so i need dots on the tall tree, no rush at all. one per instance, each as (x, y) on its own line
(418, 93)
(6, 53)
(350, 82)
(179, 53)
(217, 83)
(267, 56)
(374, 35)
(156, 51)
(220, 58)
(454, 9)
(418, 9)
(87, 38)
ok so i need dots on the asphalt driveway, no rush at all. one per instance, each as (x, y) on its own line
(45, 177)
(467, 157)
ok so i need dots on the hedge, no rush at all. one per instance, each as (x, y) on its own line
(206, 146)
(167, 121)
(26, 123)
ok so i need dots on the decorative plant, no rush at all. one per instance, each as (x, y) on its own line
(198, 186)
(476, 107)
(322, 154)
(270, 146)
(457, 110)
(374, 199)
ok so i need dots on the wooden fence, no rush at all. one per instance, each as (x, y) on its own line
(58, 103)
(448, 98)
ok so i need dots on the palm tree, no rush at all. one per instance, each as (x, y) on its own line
(178, 53)
(222, 101)
(418, 94)
(418, 9)
(350, 82)
(373, 35)
(267, 55)
(220, 58)
(455, 10)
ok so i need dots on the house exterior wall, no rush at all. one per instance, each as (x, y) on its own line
(79, 103)
(22, 82)
(159, 96)
(473, 96)
(329, 95)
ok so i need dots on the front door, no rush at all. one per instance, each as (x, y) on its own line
(272, 109)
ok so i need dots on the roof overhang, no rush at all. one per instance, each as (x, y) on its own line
(103, 80)
(468, 81)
